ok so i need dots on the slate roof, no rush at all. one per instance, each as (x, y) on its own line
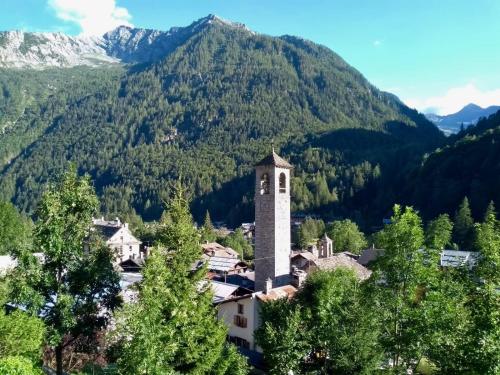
(222, 291)
(343, 260)
(106, 231)
(458, 258)
(286, 291)
(223, 264)
(219, 251)
(369, 255)
(275, 160)
(307, 255)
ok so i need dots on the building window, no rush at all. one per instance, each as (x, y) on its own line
(282, 183)
(240, 308)
(264, 184)
(240, 321)
(238, 341)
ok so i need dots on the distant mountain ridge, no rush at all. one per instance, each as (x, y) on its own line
(124, 44)
(468, 115)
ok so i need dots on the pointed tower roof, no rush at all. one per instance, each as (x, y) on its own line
(275, 160)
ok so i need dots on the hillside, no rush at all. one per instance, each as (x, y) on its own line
(469, 166)
(207, 111)
(468, 115)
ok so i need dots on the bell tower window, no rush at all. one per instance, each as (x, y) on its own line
(282, 183)
(264, 184)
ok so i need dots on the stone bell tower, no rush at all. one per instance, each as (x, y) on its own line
(272, 221)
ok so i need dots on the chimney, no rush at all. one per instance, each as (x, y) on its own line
(268, 286)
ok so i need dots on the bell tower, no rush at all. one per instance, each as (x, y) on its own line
(272, 221)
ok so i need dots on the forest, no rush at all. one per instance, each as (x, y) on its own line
(208, 112)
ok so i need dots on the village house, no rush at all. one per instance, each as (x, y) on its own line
(119, 238)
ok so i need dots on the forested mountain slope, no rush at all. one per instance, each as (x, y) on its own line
(468, 166)
(208, 110)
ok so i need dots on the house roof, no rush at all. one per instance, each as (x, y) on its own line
(286, 291)
(219, 251)
(275, 160)
(245, 279)
(106, 231)
(458, 258)
(222, 291)
(369, 255)
(343, 260)
(306, 255)
(223, 264)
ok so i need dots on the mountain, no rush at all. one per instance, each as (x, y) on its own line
(468, 115)
(204, 103)
(468, 166)
(20, 49)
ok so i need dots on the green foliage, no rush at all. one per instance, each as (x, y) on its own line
(309, 231)
(283, 337)
(73, 290)
(485, 306)
(464, 226)
(341, 322)
(18, 366)
(329, 327)
(404, 273)
(438, 232)
(468, 166)
(346, 236)
(238, 242)
(207, 231)
(15, 230)
(173, 328)
(21, 335)
(208, 111)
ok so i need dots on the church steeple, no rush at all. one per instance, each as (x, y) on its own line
(272, 221)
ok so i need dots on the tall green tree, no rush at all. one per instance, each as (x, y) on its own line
(283, 337)
(485, 299)
(329, 327)
(402, 274)
(438, 232)
(346, 236)
(207, 230)
(173, 328)
(309, 231)
(341, 322)
(15, 230)
(74, 291)
(463, 231)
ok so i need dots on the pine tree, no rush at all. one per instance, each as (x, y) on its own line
(208, 230)
(438, 232)
(490, 211)
(463, 233)
(173, 328)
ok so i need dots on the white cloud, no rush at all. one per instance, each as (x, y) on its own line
(377, 43)
(94, 17)
(455, 99)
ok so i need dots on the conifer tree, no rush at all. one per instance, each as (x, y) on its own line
(438, 232)
(208, 230)
(173, 328)
(464, 226)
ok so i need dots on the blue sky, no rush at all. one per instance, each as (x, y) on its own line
(439, 54)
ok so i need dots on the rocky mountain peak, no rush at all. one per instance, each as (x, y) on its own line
(124, 44)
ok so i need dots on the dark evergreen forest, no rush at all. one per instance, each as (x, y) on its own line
(208, 111)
